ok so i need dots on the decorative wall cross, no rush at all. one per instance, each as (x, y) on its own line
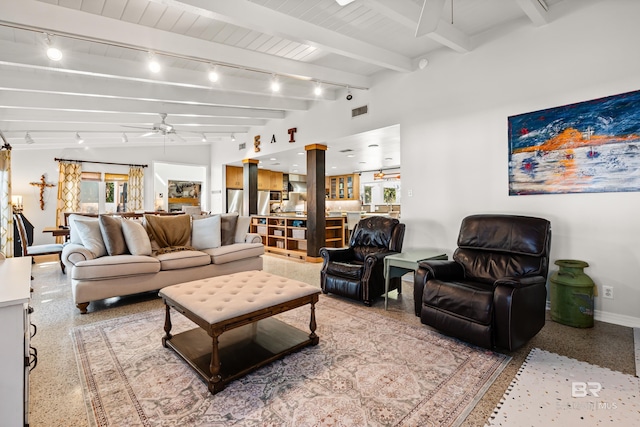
(42, 184)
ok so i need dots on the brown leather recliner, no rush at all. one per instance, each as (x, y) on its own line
(493, 292)
(357, 272)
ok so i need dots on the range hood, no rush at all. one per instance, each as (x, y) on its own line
(297, 183)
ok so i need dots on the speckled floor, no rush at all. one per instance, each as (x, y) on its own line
(56, 394)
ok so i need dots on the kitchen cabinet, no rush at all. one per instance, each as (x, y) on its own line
(276, 182)
(234, 177)
(343, 187)
(264, 179)
(287, 235)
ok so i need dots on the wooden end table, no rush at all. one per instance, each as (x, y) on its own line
(398, 265)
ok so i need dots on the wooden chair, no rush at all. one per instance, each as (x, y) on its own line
(36, 250)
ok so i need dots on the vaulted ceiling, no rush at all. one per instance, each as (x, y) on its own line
(103, 90)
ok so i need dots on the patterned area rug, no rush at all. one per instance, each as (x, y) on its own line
(554, 390)
(368, 370)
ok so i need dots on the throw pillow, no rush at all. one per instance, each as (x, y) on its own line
(242, 228)
(205, 233)
(136, 237)
(90, 236)
(74, 236)
(228, 228)
(111, 229)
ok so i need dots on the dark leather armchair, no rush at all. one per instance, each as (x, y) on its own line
(493, 292)
(357, 272)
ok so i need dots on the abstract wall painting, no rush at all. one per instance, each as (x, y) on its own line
(587, 147)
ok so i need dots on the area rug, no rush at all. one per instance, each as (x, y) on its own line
(554, 390)
(367, 370)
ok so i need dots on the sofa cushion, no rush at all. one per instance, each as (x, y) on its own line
(136, 237)
(111, 230)
(205, 233)
(235, 252)
(228, 228)
(182, 259)
(114, 267)
(90, 235)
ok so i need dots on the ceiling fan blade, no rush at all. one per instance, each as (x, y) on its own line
(175, 137)
(147, 134)
(135, 127)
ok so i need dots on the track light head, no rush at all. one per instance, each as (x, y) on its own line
(349, 95)
(213, 74)
(79, 138)
(275, 84)
(154, 65)
(204, 138)
(53, 53)
(124, 137)
(28, 139)
(233, 136)
(318, 89)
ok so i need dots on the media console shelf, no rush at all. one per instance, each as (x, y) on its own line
(287, 235)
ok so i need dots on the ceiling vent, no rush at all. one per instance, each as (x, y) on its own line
(242, 146)
(359, 111)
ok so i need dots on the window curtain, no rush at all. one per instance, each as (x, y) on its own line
(135, 188)
(68, 190)
(6, 210)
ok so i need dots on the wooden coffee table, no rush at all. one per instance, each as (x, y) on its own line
(237, 333)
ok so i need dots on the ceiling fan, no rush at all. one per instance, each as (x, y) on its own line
(162, 128)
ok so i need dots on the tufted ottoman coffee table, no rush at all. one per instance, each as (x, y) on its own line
(237, 333)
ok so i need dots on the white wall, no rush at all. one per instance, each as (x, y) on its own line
(454, 150)
(27, 165)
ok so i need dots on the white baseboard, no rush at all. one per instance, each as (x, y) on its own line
(616, 319)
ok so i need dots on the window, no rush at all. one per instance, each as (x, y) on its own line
(367, 195)
(389, 195)
(98, 196)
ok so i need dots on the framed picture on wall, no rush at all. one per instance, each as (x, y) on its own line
(591, 146)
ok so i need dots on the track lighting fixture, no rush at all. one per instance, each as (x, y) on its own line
(213, 74)
(349, 96)
(275, 84)
(204, 138)
(79, 138)
(154, 65)
(28, 139)
(124, 137)
(233, 136)
(318, 89)
(53, 53)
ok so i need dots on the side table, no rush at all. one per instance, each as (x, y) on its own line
(398, 265)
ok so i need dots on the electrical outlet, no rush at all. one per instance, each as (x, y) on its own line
(607, 292)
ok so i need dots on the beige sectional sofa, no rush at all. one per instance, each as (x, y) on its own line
(132, 262)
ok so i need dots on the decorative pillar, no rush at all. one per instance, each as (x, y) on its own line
(316, 219)
(249, 187)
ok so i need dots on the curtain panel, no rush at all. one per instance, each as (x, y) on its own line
(6, 210)
(135, 188)
(69, 181)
